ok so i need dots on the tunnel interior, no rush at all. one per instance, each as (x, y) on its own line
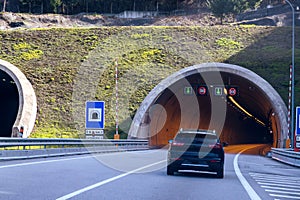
(9, 104)
(249, 116)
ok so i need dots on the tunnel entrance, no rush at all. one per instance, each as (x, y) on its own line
(9, 104)
(246, 118)
(237, 103)
(18, 105)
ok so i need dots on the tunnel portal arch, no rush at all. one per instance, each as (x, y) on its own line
(27, 102)
(256, 95)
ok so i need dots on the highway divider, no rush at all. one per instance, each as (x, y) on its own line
(18, 148)
(286, 156)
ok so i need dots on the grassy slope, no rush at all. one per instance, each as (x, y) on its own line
(62, 62)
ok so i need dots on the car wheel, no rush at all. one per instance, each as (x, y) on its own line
(220, 173)
(170, 170)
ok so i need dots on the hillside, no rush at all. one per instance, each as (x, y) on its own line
(62, 64)
(9, 20)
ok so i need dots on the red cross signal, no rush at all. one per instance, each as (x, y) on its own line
(232, 91)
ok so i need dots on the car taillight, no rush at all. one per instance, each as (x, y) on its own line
(177, 143)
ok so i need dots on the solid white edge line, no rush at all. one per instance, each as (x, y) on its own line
(57, 160)
(43, 162)
(68, 196)
(252, 194)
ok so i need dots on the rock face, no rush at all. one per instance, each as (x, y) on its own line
(9, 20)
(279, 15)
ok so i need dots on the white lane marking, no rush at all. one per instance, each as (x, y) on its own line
(78, 192)
(275, 184)
(275, 181)
(272, 176)
(280, 188)
(283, 192)
(6, 193)
(284, 196)
(277, 178)
(42, 162)
(252, 194)
(58, 160)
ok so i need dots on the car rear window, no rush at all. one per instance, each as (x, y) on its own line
(198, 138)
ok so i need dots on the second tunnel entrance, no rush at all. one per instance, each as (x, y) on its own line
(9, 104)
(18, 104)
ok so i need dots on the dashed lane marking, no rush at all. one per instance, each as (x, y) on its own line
(78, 192)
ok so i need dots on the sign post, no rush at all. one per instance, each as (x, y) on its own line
(94, 119)
(297, 129)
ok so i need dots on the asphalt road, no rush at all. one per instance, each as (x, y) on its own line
(142, 175)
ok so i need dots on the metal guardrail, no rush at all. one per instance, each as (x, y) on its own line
(16, 148)
(17, 142)
(286, 156)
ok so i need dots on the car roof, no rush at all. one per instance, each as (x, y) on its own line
(197, 131)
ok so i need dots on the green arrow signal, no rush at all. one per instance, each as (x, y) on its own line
(218, 91)
(188, 90)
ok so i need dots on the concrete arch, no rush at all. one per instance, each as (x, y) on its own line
(275, 114)
(27, 100)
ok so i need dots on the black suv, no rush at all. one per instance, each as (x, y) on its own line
(196, 150)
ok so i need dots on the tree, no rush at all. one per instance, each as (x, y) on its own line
(223, 8)
(67, 6)
(254, 3)
(55, 4)
(29, 4)
(241, 5)
(4, 6)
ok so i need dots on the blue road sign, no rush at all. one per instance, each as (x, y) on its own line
(94, 115)
(297, 120)
(297, 129)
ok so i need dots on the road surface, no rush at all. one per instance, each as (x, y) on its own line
(142, 175)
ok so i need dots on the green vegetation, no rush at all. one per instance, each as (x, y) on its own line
(70, 66)
(26, 51)
(228, 43)
(223, 8)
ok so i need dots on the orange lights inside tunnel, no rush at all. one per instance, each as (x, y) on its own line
(245, 111)
(228, 91)
(249, 111)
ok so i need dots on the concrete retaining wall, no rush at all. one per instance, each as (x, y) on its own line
(137, 14)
